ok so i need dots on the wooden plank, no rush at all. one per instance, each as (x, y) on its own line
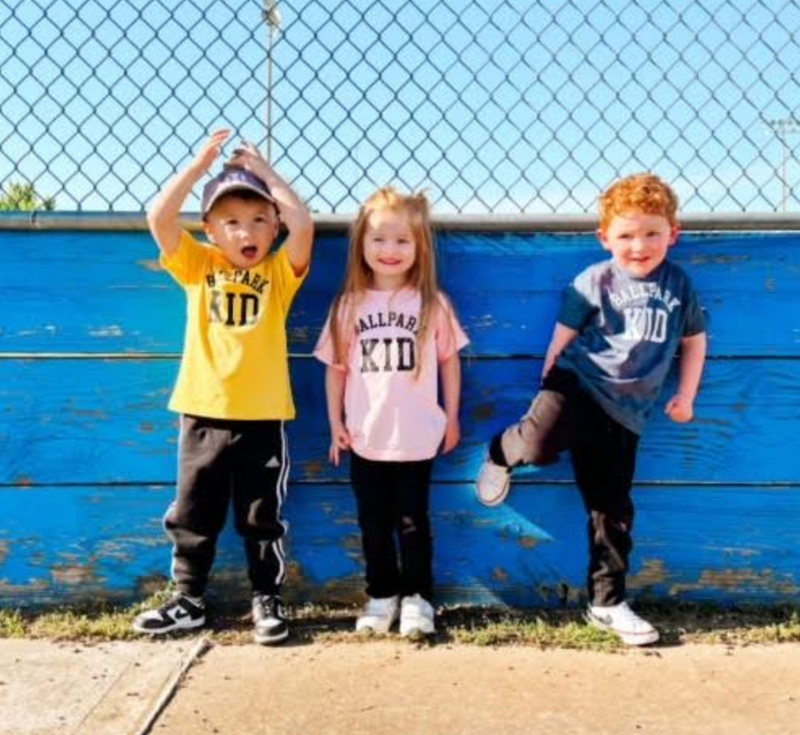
(101, 421)
(728, 544)
(101, 292)
(717, 498)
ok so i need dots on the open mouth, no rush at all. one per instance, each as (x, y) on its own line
(249, 251)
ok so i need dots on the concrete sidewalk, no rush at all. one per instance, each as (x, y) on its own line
(389, 686)
(104, 689)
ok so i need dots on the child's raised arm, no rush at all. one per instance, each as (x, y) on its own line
(164, 215)
(292, 211)
(680, 408)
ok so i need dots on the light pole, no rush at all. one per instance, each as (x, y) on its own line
(783, 127)
(272, 17)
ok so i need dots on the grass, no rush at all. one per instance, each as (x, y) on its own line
(87, 623)
(679, 623)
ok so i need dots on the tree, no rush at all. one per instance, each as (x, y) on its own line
(19, 197)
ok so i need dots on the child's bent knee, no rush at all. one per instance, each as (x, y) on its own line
(523, 444)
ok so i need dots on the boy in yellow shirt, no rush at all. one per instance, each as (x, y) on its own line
(233, 392)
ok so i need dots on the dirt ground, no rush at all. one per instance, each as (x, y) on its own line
(391, 686)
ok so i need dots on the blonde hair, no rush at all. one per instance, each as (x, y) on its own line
(358, 275)
(645, 193)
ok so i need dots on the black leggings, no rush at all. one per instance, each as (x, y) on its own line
(392, 500)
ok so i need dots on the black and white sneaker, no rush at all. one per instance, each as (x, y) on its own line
(180, 613)
(269, 621)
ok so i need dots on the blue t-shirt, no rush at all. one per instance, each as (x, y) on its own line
(629, 331)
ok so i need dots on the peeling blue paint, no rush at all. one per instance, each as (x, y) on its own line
(87, 447)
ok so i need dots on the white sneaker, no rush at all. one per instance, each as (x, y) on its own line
(493, 483)
(624, 622)
(416, 617)
(379, 614)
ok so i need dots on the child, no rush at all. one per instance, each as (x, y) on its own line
(621, 322)
(233, 390)
(389, 329)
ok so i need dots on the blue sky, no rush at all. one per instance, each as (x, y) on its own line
(492, 106)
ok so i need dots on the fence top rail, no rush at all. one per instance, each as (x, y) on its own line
(339, 223)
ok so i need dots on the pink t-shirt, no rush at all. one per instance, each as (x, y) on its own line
(392, 410)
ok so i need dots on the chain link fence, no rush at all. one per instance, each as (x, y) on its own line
(492, 106)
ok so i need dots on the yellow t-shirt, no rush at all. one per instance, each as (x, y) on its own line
(235, 362)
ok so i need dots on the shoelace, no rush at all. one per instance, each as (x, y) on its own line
(171, 604)
(420, 608)
(629, 618)
(375, 607)
(268, 607)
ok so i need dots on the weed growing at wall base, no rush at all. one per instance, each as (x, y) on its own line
(679, 623)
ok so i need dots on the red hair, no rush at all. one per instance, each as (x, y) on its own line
(645, 193)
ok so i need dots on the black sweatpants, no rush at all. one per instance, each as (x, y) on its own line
(392, 500)
(563, 416)
(220, 461)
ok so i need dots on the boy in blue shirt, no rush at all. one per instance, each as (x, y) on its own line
(620, 326)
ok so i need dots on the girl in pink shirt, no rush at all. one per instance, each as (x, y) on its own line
(391, 333)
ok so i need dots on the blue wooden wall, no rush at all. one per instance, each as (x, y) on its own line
(90, 335)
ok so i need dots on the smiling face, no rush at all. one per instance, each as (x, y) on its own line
(244, 229)
(390, 249)
(638, 242)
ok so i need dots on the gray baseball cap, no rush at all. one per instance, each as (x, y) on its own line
(233, 179)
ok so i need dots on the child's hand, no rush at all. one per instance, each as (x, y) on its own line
(211, 150)
(452, 435)
(340, 442)
(680, 409)
(248, 157)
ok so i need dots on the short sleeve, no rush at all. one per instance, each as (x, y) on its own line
(324, 351)
(324, 348)
(189, 263)
(286, 280)
(450, 337)
(575, 308)
(695, 321)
